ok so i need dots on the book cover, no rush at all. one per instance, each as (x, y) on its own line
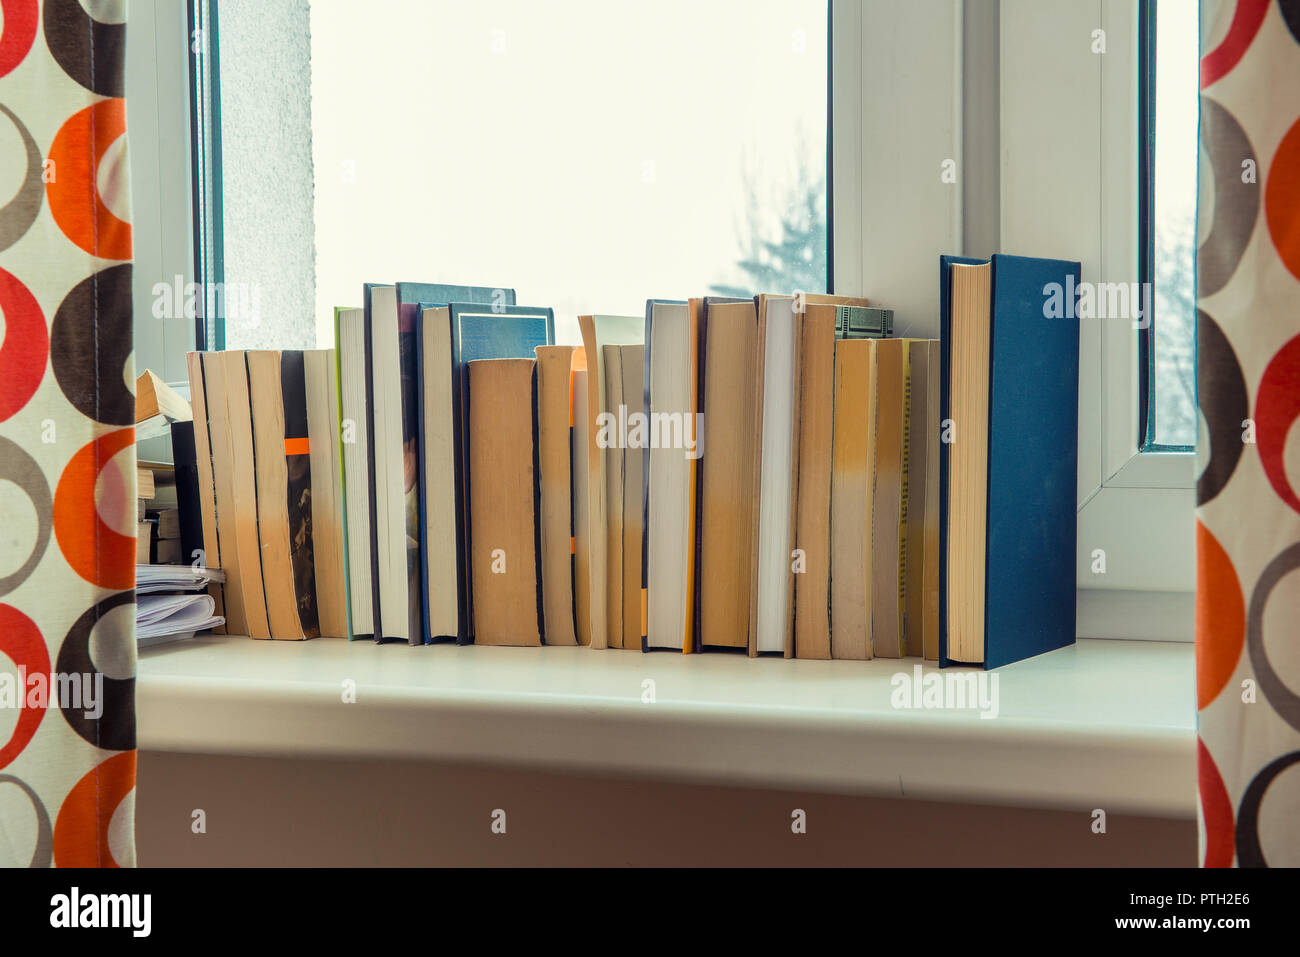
(503, 506)
(1032, 454)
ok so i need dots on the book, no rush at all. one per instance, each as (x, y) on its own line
(632, 359)
(599, 331)
(812, 620)
(930, 534)
(189, 507)
(169, 524)
(144, 483)
(1008, 461)
(321, 382)
(920, 472)
(392, 460)
(157, 406)
(439, 461)
(852, 455)
(555, 518)
(353, 445)
(581, 513)
(668, 545)
(503, 502)
(863, 322)
(154, 397)
(887, 500)
(283, 482)
(431, 497)
(480, 331)
(614, 411)
(235, 477)
(728, 332)
(775, 475)
(203, 455)
(143, 542)
(811, 408)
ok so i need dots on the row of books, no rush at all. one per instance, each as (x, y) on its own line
(767, 475)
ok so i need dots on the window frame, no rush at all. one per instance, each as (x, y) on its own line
(158, 126)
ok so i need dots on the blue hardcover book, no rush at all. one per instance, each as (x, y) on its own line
(1007, 499)
(429, 569)
(493, 331)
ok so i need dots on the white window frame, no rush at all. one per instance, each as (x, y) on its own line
(158, 133)
(1044, 135)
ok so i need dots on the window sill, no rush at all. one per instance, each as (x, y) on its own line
(1102, 724)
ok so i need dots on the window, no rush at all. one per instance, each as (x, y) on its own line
(1172, 115)
(577, 167)
(586, 156)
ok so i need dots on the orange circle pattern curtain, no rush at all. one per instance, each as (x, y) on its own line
(67, 452)
(1248, 390)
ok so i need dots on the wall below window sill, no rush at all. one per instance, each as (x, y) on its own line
(1102, 724)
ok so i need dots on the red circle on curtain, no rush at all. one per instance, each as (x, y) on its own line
(23, 642)
(81, 829)
(1277, 405)
(25, 348)
(73, 194)
(1216, 810)
(17, 32)
(1246, 20)
(96, 552)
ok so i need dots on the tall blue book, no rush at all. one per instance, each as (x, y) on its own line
(495, 331)
(428, 420)
(1008, 458)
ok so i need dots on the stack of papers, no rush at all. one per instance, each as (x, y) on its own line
(170, 603)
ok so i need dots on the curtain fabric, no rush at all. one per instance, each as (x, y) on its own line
(1248, 378)
(67, 454)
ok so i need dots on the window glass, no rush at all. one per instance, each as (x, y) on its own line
(589, 154)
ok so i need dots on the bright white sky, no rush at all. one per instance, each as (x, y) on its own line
(588, 153)
(1177, 107)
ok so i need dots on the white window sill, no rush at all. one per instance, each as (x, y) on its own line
(1102, 724)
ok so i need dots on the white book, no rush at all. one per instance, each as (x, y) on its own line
(351, 346)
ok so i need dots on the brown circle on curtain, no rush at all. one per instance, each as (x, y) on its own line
(1236, 204)
(91, 52)
(1290, 10)
(1281, 698)
(1221, 395)
(1249, 853)
(90, 342)
(17, 215)
(20, 468)
(114, 729)
(43, 855)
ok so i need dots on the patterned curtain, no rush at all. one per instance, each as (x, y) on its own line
(1248, 371)
(67, 453)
